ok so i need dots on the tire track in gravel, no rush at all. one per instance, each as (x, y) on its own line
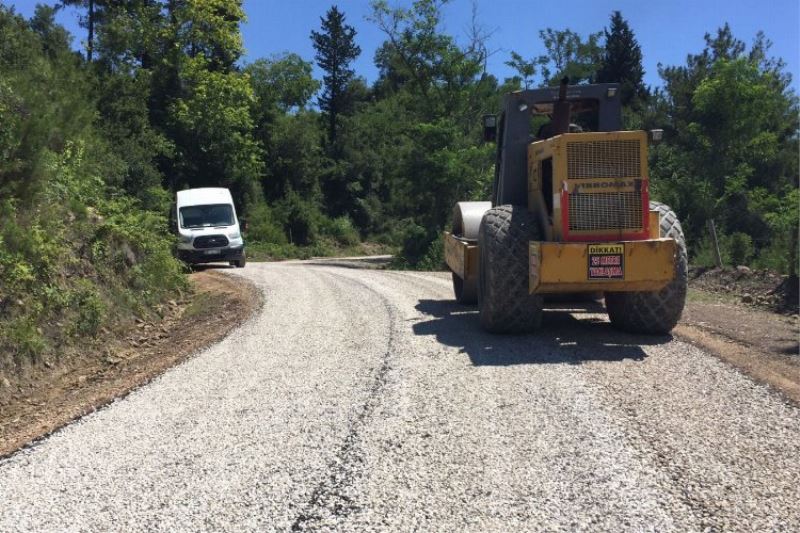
(460, 445)
(722, 443)
(235, 439)
(330, 498)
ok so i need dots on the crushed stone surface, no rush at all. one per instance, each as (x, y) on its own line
(367, 400)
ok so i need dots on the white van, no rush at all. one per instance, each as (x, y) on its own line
(207, 227)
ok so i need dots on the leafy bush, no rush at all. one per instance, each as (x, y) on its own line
(301, 218)
(262, 227)
(434, 257)
(25, 337)
(90, 309)
(76, 253)
(341, 229)
(415, 243)
(740, 248)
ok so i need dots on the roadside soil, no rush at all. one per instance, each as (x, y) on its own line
(44, 399)
(760, 343)
(748, 318)
(763, 289)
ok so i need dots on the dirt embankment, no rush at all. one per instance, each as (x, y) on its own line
(42, 400)
(750, 319)
(763, 289)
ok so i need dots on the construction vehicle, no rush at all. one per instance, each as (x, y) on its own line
(570, 213)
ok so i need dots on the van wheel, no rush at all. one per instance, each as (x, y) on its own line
(239, 263)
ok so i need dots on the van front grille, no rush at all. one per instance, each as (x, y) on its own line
(605, 211)
(211, 241)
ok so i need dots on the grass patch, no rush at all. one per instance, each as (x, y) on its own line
(704, 297)
(280, 252)
(202, 303)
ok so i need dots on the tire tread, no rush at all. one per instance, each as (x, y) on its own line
(659, 311)
(504, 302)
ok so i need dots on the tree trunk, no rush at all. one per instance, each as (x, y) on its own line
(712, 230)
(90, 42)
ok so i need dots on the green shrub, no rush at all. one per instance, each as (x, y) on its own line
(740, 248)
(24, 337)
(772, 257)
(341, 229)
(415, 243)
(434, 256)
(302, 219)
(701, 254)
(90, 309)
(262, 227)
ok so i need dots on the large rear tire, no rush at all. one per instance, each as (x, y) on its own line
(654, 312)
(504, 302)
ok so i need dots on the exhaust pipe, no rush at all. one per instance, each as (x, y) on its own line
(561, 108)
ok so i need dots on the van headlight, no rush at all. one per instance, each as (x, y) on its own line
(234, 235)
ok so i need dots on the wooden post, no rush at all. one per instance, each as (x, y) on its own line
(712, 229)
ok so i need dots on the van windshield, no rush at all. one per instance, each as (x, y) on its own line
(202, 216)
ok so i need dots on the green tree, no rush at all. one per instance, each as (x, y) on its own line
(424, 130)
(212, 129)
(526, 69)
(75, 249)
(55, 40)
(43, 101)
(732, 124)
(94, 11)
(283, 81)
(622, 62)
(202, 103)
(122, 102)
(336, 50)
(567, 54)
(131, 35)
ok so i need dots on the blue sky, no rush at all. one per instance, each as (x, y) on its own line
(667, 30)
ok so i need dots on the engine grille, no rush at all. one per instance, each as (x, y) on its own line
(610, 211)
(603, 159)
(211, 241)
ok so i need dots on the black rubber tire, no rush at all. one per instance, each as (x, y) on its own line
(654, 312)
(239, 263)
(503, 300)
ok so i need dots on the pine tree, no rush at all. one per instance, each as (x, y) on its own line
(336, 50)
(93, 12)
(622, 61)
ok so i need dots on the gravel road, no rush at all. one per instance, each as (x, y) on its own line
(361, 400)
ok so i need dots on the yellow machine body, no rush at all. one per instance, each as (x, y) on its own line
(632, 266)
(590, 192)
(461, 256)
